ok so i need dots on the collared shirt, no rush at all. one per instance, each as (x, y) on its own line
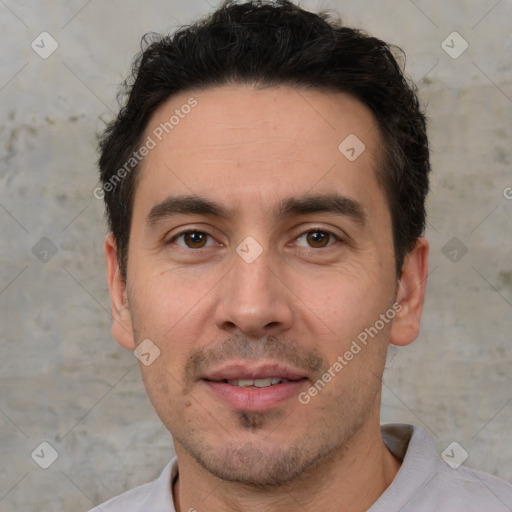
(424, 483)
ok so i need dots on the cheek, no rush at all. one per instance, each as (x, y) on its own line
(161, 300)
(165, 317)
(344, 302)
(164, 391)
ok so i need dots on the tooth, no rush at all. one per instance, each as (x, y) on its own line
(245, 382)
(241, 382)
(257, 383)
(262, 383)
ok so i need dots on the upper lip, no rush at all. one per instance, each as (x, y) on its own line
(235, 371)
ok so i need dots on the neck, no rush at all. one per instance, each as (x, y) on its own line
(350, 479)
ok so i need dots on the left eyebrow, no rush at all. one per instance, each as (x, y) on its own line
(305, 205)
(322, 203)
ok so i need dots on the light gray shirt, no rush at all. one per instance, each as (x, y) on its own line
(424, 483)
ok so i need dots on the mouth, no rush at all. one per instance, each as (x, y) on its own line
(257, 383)
(258, 388)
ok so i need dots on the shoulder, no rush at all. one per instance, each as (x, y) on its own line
(154, 496)
(425, 482)
(469, 488)
(131, 500)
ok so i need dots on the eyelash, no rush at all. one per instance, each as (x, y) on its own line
(313, 230)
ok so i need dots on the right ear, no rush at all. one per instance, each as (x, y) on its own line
(121, 315)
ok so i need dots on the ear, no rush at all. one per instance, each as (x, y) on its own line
(411, 295)
(121, 316)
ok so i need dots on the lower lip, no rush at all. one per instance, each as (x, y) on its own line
(256, 399)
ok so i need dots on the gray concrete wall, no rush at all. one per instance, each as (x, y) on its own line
(64, 381)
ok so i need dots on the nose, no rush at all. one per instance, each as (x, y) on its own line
(253, 299)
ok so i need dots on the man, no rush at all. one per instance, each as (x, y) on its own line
(265, 187)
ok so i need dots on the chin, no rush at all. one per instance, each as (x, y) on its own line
(258, 465)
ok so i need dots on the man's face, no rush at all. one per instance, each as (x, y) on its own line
(274, 288)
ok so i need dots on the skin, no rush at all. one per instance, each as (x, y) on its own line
(301, 302)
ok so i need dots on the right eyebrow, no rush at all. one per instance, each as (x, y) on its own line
(183, 205)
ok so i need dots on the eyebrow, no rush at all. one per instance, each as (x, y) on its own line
(312, 203)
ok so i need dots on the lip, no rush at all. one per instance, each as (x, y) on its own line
(254, 399)
(259, 371)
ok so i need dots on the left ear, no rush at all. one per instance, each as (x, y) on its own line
(411, 295)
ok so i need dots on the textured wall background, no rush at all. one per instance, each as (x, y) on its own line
(64, 381)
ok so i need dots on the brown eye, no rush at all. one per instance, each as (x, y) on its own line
(318, 238)
(192, 239)
(195, 239)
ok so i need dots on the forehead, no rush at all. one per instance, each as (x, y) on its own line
(248, 147)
